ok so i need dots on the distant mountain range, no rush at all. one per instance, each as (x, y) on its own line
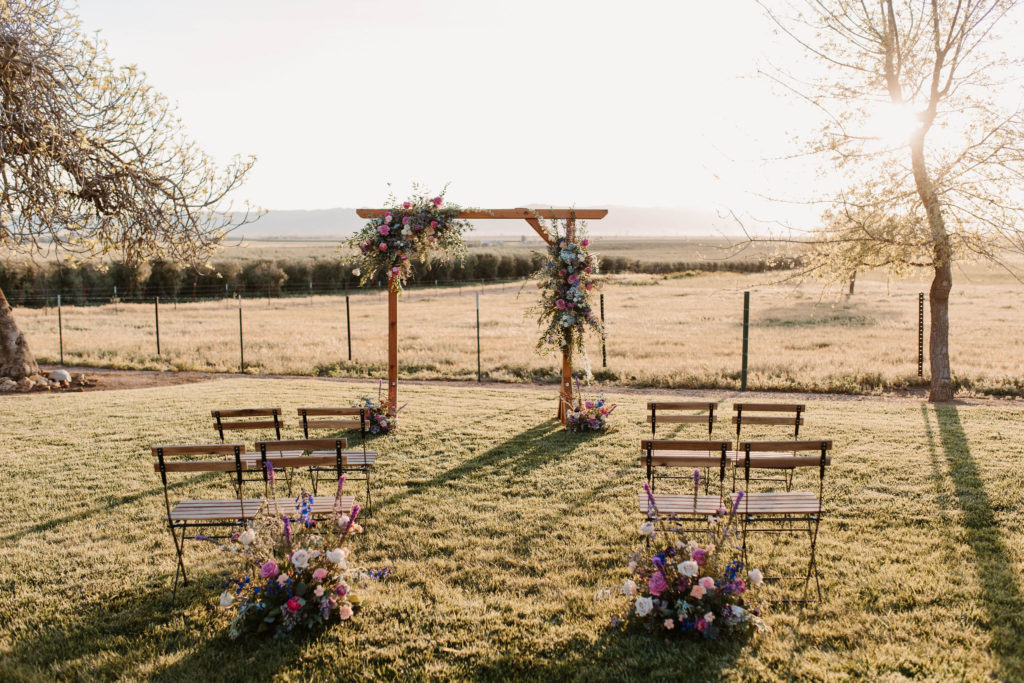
(626, 221)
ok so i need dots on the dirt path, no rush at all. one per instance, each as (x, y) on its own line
(114, 380)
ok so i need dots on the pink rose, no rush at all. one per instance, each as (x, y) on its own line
(560, 304)
(341, 589)
(319, 574)
(345, 612)
(669, 624)
(383, 247)
(388, 217)
(657, 584)
(590, 286)
(585, 243)
(697, 591)
(740, 586)
(707, 582)
(701, 625)
(405, 221)
(433, 224)
(269, 570)
(407, 204)
(384, 230)
(294, 604)
(437, 201)
(699, 556)
(396, 270)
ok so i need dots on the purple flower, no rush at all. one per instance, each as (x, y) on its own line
(650, 499)
(736, 503)
(696, 480)
(699, 556)
(287, 529)
(270, 472)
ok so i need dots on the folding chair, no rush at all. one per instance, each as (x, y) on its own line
(242, 419)
(658, 415)
(676, 512)
(778, 414)
(191, 514)
(323, 454)
(359, 461)
(665, 453)
(778, 511)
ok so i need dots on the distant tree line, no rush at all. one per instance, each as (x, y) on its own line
(38, 284)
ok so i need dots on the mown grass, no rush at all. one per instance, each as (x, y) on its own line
(662, 331)
(500, 529)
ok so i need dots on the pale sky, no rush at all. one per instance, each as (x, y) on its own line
(587, 103)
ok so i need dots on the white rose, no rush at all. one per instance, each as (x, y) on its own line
(688, 568)
(226, 600)
(357, 272)
(756, 577)
(247, 537)
(628, 587)
(709, 617)
(300, 558)
(647, 529)
(319, 591)
(337, 556)
(644, 606)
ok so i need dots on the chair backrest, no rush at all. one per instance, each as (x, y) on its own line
(343, 419)
(247, 418)
(165, 462)
(335, 459)
(660, 412)
(821, 460)
(780, 414)
(699, 454)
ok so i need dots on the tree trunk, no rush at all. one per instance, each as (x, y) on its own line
(938, 341)
(16, 360)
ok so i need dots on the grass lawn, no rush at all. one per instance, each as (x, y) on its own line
(500, 529)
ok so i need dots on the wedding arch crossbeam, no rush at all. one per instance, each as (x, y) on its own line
(531, 216)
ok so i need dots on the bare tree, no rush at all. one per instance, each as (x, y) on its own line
(93, 162)
(948, 187)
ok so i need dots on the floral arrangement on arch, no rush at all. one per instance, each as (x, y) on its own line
(588, 415)
(299, 572)
(422, 227)
(567, 280)
(693, 587)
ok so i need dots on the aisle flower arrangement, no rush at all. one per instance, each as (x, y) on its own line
(423, 227)
(299, 572)
(693, 587)
(379, 419)
(588, 415)
(567, 281)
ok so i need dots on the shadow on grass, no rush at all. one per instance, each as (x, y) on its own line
(993, 561)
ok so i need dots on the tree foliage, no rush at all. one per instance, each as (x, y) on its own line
(922, 121)
(93, 161)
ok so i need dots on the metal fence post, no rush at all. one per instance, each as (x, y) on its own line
(60, 330)
(604, 353)
(920, 334)
(479, 374)
(241, 341)
(348, 327)
(156, 312)
(746, 338)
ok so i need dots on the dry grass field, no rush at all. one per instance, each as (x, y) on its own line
(674, 331)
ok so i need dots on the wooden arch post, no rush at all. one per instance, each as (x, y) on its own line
(532, 217)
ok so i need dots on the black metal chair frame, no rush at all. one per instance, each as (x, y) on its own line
(183, 526)
(364, 469)
(220, 425)
(785, 521)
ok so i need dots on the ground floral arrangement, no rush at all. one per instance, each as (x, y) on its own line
(691, 586)
(422, 227)
(567, 280)
(588, 415)
(298, 572)
(379, 418)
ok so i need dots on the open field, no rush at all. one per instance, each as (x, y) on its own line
(674, 331)
(500, 528)
(648, 249)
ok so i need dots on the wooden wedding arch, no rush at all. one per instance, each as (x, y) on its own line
(532, 217)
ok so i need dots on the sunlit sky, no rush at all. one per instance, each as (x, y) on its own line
(587, 103)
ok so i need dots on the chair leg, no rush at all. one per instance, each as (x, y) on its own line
(179, 549)
(369, 502)
(812, 565)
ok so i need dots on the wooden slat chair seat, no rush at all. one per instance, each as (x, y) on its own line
(785, 511)
(766, 414)
(680, 504)
(248, 420)
(343, 419)
(191, 514)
